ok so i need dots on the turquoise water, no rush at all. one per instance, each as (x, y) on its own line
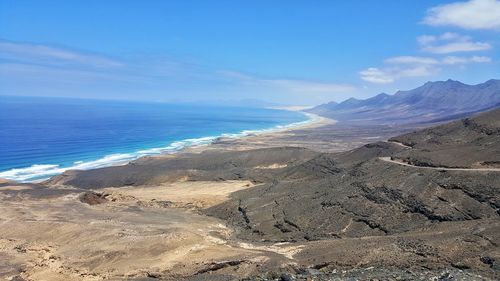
(42, 137)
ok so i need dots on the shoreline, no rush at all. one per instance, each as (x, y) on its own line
(314, 121)
(193, 145)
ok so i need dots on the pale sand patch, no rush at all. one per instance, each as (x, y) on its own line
(272, 166)
(286, 249)
(4, 181)
(399, 143)
(16, 187)
(63, 239)
(201, 194)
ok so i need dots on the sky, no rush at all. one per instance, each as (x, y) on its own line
(287, 52)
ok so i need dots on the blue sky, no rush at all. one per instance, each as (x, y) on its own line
(287, 52)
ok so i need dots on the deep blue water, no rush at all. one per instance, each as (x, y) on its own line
(41, 137)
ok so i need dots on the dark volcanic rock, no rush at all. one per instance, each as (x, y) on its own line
(92, 198)
(471, 142)
(376, 274)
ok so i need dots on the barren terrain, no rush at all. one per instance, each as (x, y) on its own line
(400, 209)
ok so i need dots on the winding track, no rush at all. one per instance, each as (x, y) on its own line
(399, 143)
(388, 159)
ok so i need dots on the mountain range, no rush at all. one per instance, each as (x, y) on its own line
(431, 102)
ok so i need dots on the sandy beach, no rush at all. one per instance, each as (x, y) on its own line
(267, 138)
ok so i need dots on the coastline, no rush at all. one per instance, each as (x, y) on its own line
(194, 145)
(259, 139)
(263, 139)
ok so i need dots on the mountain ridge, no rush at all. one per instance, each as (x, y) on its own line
(431, 101)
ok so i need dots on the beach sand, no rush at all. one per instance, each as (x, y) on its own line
(319, 134)
(273, 138)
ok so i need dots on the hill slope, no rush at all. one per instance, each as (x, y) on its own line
(434, 101)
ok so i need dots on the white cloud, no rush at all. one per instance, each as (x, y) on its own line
(400, 67)
(236, 75)
(302, 86)
(376, 75)
(292, 85)
(473, 14)
(41, 72)
(412, 66)
(388, 75)
(450, 43)
(480, 59)
(453, 60)
(426, 39)
(43, 54)
(455, 47)
(411, 60)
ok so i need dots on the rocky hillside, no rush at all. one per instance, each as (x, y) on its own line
(428, 198)
(467, 143)
(434, 101)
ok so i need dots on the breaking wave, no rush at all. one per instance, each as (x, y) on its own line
(44, 171)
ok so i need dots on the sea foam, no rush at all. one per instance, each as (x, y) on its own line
(44, 171)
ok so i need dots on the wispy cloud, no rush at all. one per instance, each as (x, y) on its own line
(473, 14)
(302, 86)
(44, 54)
(453, 60)
(450, 43)
(292, 85)
(65, 72)
(377, 75)
(411, 60)
(412, 66)
(387, 75)
(400, 67)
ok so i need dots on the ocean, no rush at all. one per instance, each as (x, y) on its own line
(43, 137)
